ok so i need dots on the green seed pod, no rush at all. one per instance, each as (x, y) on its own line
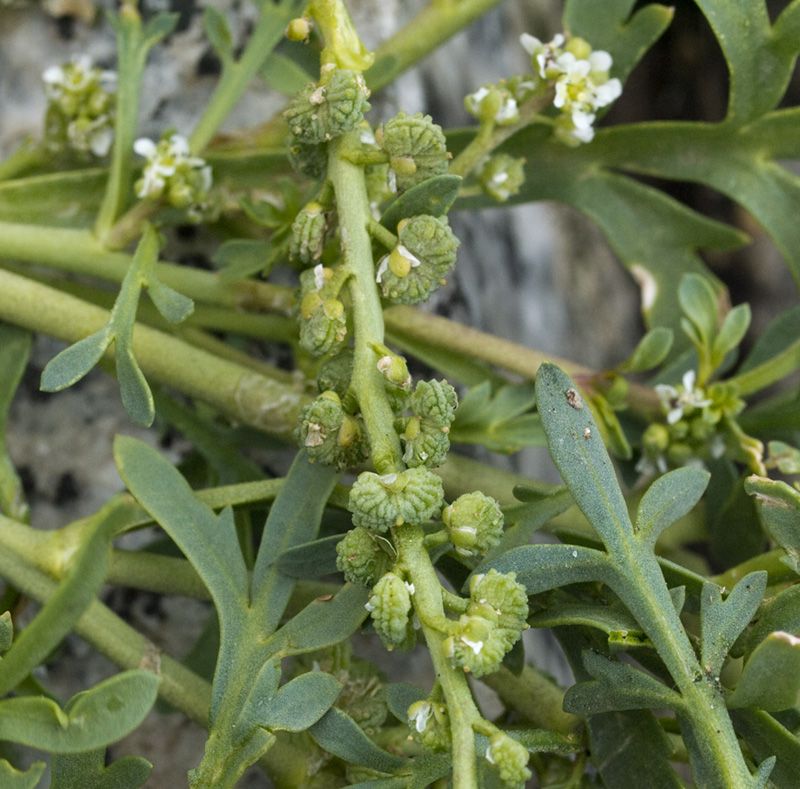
(323, 324)
(501, 176)
(329, 109)
(477, 646)
(435, 402)
(474, 523)
(424, 443)
(416, 147)
(380, 502)
(361, 557)
(430, 724)
(425, 254)
(335, 373)
(330, 435)
(308, 234)
(310, 160)
(510, 759)
(390, 607)
(507, 598)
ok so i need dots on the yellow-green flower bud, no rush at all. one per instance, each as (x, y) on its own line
(393, 367)
(510, 759)
(493, 104)
(430, 724)
(330, 435)
(308, 234)
(328, 109)
(435, 402)
(501, 176)
(361, 557)
(390, 607)
(298, 29)
(477, 645)
(474, 523)
(425, 444)
(379, 502)
(425, 254)
(323, 322)
(416, 147)
(506, 597)
(679, 454)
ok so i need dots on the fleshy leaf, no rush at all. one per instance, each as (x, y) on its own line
(89, 771)
(766, 738)
(651, 351)
(299, 703)
(779, 508)
(173, 306)
(94, 718)
(723, 621)
(11, 778)
(133, 387)
(218, 32)
(434, 196)
(616, 686)
(771, 677)
(781, 612)
(74, 362)
(6, 631)
(668, 499)
(239, 258)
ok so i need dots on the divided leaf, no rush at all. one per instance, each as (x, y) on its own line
(722, 622)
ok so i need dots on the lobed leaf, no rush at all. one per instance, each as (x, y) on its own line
(11, 778)
(721, 622)
(93, 718)
(173, 306)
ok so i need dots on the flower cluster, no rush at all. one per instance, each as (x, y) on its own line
(509, 758)
(580, 78)
(390, 609)
(329, 434)
(474, 523)
(501, 176)
(171, 173)
(80, 112)
(425, 434)
(492, 624)
(430, 724)
(323, 322)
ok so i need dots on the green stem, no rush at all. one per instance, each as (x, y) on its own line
(352, 205)
(78, 251)
(29, 155)
(234, 390)
(428, 606)
(237, 75)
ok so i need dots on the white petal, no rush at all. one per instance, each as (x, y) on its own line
(600, 60)
(319, 276)
(530, 43)
(689, 377)
(608, 92)
(178, 145)
(100, 142)
(145, 147)
(674, 415)
(383, 266)
(475, 646)
(414, 261)
(53, 75)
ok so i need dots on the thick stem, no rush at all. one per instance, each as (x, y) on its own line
(352, 205)
(428, 606)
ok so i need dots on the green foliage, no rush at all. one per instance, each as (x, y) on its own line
(778, 655)
(89, 771)
(17, 779)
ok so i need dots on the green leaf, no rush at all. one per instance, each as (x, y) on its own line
(732, 332)
(338, 734)
(614, 621)
(11, 778)
(699, 303)
(546, 741)
(771, 676)
(74, 362)
(240, 258)
(616, 686)
(15, 346)
(284, 72)
(775, 354)
(93, 719)
(498, 421)
(525, 519)
(723, 621)
(400, 696)
(612, 27)
(6, 631)
(433, 196)
(781, 612)
(300, 703)
(133, 388)
(580, 456)
(173, 306)
(89, 771)
(786, 458)
(294, 519)
(218, 32)
(540, 568)
(610, 428)
(158, 28)
(767, 737)
(668, 499)
(779, 508)
(322, 623)
(77, 591)
(311, 559)
(752, 47)
(208, 541)
(651, 351)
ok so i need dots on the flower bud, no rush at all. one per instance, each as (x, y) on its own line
(493, 104)
(390, 607)
(510, 759)
(655, 438)
(425, 254)
(361, 558)
(474, 523)
(507, 598)
(430, 724)
(298, 29)
(307, 239)
(328, 109)
(416, 147)
(435, 402)
(329, 435)
(501, 176)
(425, 444)
(476, 645)
(379, 502)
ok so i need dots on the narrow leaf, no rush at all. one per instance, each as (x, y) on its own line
(173, 306)
(781, 612)
(699, 303)
(668, 499)
(133, 387)
(651, 351)
(433, 196)
(73, 363)
(6, 631)
(338, 734)
(400, 696)
(218, 33)
(239, 258)
(732, 331)
(722, 621)
(779, 508)
(310, 559)
(771, 677)
(300, 703)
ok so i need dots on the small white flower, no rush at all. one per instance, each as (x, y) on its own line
(383, 267)
(677, 400)
(419, 718)
(475, 646)
(319, 276)
(489, 756)
(409, 256)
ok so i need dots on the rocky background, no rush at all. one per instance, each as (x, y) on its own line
(540, 273)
